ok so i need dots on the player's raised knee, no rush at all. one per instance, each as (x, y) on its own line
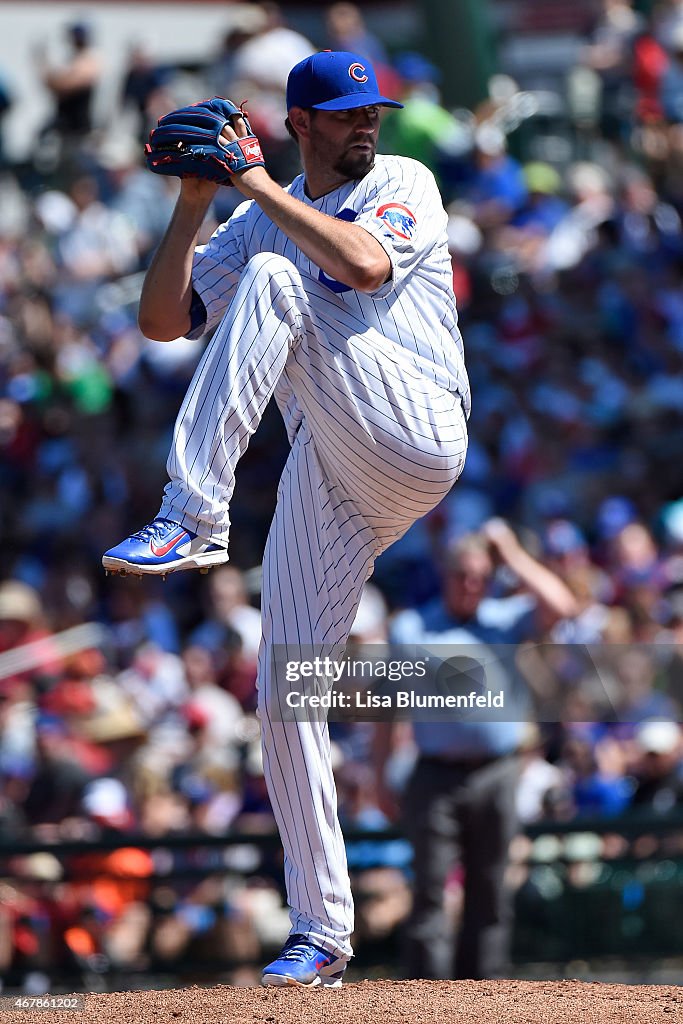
(269, 264)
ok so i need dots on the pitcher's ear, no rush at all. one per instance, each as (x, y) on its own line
(298, 122)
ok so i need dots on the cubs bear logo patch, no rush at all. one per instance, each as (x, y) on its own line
(399, 219)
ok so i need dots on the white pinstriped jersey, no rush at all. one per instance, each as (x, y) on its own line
(399, 203)
(372, 390)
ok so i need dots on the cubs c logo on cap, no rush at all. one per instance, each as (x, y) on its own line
(357, 73)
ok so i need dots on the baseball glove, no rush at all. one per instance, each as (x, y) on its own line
(187, 143)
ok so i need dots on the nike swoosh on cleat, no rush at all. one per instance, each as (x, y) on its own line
(165, 548)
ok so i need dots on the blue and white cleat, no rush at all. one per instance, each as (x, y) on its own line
(162, 547)
(302, 963)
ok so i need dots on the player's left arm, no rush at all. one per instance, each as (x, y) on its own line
(343, 251)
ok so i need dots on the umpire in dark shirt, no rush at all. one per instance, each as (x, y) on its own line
(460, 801)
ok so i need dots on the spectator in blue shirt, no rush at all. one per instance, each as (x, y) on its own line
(460, 800)
(497, 189)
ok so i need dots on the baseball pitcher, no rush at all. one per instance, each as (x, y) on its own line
(335, 296)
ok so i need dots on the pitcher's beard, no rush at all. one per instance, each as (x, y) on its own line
(355, 164)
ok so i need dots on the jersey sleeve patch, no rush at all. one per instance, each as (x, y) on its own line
(398, 219)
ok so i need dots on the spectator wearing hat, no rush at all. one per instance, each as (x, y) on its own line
(496, 190)
(267, 57)
(114, 884)
(613, 514)
(658, 767)
(596, 788)
(591, 206)
(423, 129)
(639, 577)
(21, 615)
(545, 207)
(58, 782)
(566, 552)
(32, 914)
(526, 236)
(22, 622)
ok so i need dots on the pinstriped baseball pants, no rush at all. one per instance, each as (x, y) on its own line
(375, 445)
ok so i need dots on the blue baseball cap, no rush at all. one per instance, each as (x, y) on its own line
(335, 80)
(563, 537)
(413, 67)
(614, 514)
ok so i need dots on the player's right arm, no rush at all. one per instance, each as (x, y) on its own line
(166, 298)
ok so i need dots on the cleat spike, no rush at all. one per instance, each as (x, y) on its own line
(203, 572)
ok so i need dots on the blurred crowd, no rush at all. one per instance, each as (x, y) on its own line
(568, 267)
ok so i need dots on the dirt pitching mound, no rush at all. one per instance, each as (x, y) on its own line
(386, 1002)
